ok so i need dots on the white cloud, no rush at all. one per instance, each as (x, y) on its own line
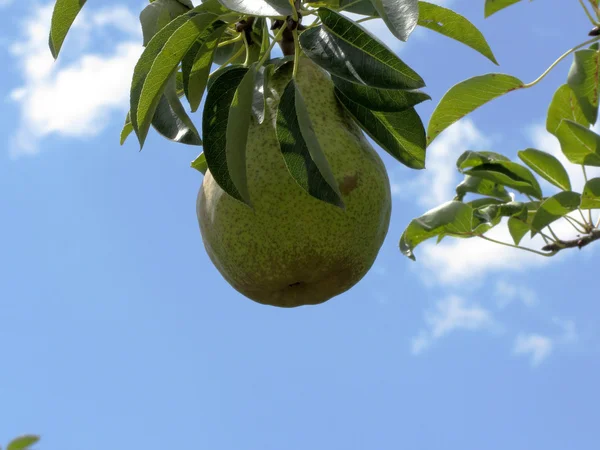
(506, 293)
(536, 346)
(451, 314)
(74, 98)
(436, 185)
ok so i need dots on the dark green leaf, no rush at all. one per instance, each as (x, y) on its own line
(375, 99)
(259, 103)
(158, 14)
(564, 105)
(590, 198)
(301, 151)
(470, 159)
(484, 201)
(22, 442)
(493, 6)
(509, 174)
(216, 131)
(493, 213)
(196, 64)
(579, 144)
(449, 218)
(482, 187)
(265, 8)
(344, 48)
(466, 96)
(400, 16)
(553, 208)
(363, 7)
(453, 25)
(401, 134)
(63, 16)
(200, 164)
(547, 167)
(519, 227)
(584, 80)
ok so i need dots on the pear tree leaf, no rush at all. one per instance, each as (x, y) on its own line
(493, 6)
(546, 166)
(470, 159)
(564, 105)
(362, 7)
(347, 50)
(265, 8)
(300, 148)
(590, 198)
(400, 16)
(200, 164)
(127, 129)
(453, 25)
(401, 134)
(584, 79)
(196, 64)
(450, 218)
(520, 225)
(157, 15)
(578, 143)
(216, 130)
(375, 99)
(466, 96)
(23, 442)
(553, 208)
(509, 174)
(64, 14)
(259, 104)
(480, 186)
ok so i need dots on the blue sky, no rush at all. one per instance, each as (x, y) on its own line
(117, 332)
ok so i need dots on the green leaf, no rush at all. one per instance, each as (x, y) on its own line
(564, 105)
(553, 208)
(519, 226)
(385, 100)
(584, 80)
(127, 129)
(579, 144)
(480, 186)
(483, 201)
(159, 61)
(196, 65)
(301, 151)
(259, 104)
(401, 134)
(466, 96)
(449, 218)
(590, 198)
(265, 8)
(218, 130)
(400, 16)
(547, 167)
(344, 48)
(453, 25)
(471, 159)
(157, 15)
(23, 442)
(200, 164)
(363, 7)
(63, 16)
(493, 6)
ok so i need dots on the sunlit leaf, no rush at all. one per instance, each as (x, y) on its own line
(564, 105)
(553, 208)
(63, 16)
(546, 166)
(578, 143)
(584, 79)
(590, 198)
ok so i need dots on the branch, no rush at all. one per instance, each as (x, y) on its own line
(580, 242)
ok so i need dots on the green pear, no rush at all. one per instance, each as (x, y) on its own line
(290, 249)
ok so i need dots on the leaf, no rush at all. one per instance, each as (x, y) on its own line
(171, 120)
(553, 208)
(222, 90)
(453, 25)
(400, 16)
(480, 186)
(583, 78)
(546, 166)
(450, 218)
(157, 15)
(196, 65)
(200, 164)
(519, 226)
(63, 16)
(301, 151)
(259, 104)
(127, 129)
(344, 48)
(579, 144)
(493, 6)
(265, 8)
(375, 99)
(363, 7)
(401, 134)
(466, 96)
(564, 105)
(590, 198)
(159, 61)
(471, 159)
(23, 442)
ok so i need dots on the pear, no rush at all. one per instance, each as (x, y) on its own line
(290, 249)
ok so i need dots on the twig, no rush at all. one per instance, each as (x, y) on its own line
(581, 242)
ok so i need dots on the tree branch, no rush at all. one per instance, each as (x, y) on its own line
(580, 242)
